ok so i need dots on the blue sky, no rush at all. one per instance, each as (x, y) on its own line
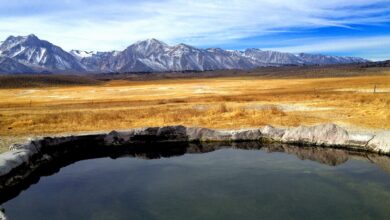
(335, 27)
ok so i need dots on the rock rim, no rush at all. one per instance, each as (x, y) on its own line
(22, 159)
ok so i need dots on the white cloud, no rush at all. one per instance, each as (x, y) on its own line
(336, 45)
(114, 25)
(373, 48)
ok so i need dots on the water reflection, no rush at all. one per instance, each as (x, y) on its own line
(327, 156)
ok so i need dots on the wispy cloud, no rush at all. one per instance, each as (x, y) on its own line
(104, 25)
(337, 45)
(375, 48)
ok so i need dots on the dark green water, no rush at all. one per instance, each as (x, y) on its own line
(223, 184)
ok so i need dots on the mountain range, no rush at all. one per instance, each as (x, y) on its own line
(29, 54)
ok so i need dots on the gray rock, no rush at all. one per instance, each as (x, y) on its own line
(205, 134)
(325, 134)
(172, 133)
(145, 132)
(167, 133)
(246, 135)
(380, 143)
(33, 145)
(129, 136)
(117, 138)
(55, 141)
(13, 159)
(272, 133)
(360, 140)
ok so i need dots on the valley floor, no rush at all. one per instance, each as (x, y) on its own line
(223, 102)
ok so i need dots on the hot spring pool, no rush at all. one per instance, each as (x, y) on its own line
(213, 182)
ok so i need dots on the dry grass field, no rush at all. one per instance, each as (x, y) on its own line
(223, 102)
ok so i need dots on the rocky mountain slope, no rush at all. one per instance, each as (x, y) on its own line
(10, 65)
(30, 54)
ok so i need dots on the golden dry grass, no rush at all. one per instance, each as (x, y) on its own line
(215, 103)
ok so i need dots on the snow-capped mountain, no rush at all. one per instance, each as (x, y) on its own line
(311, 59)
(35, 53)
(272, 57)
(280, 58)
(80, 54)
(97, 61)
(154, 55)
(148, 56)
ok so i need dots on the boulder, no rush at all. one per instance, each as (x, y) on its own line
(246, 135)
(118, 137)
(55, 141)
(380, 143)
(33, 145)
(360, 140)
(325, 134)
(13, 159)
(167, 133)
(172, 133)
(145, 132)
(205, 134)
(272, 133)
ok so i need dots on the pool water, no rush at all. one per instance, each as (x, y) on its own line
(225, 183)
